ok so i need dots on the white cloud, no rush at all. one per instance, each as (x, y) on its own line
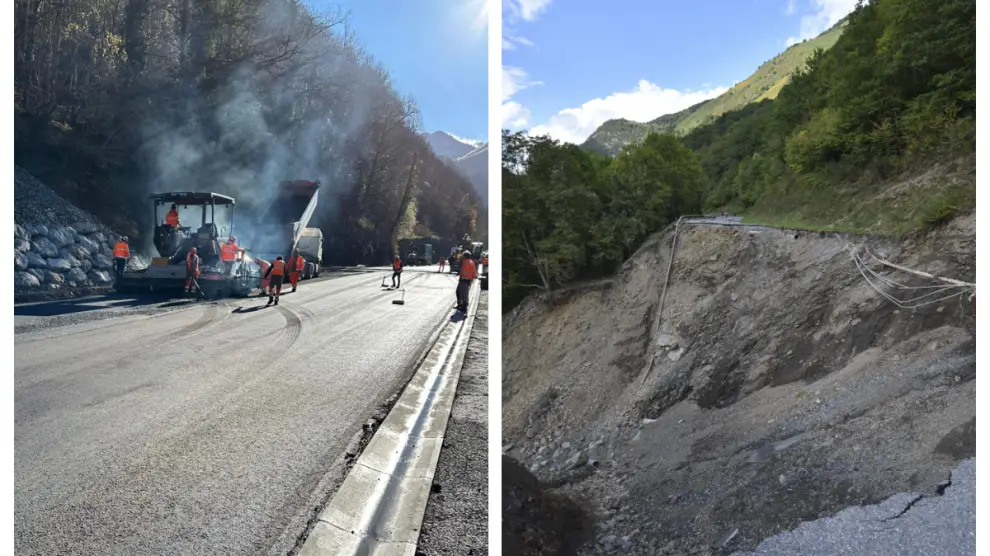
(527, 10)
(826, 14)
(644, 103)
(791, 7)
(511, 42)
(472, 142)
(514, 80)
(514, 115)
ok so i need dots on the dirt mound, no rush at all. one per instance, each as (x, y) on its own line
(536, 523)
(776, 386)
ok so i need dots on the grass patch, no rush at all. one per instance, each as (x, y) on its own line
(889, 209)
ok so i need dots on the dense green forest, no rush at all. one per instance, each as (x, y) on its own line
(876, 135)
(115, 99)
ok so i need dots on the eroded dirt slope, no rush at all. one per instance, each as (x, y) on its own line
(783, 387)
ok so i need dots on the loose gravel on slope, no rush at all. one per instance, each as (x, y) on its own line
(456, 520)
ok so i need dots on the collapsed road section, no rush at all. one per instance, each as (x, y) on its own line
(379, 507)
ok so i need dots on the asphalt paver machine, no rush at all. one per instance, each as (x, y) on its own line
(205, 220)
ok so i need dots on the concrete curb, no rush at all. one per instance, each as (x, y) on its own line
(379, 507)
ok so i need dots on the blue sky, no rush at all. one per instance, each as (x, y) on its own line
(435, 50)
(570, 65)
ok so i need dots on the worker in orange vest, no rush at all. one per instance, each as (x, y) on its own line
(121, 252)
(296, 265)
(192, 271)
(442, 261)
(229, 254)
(484, 260)
(469, 272)
(172, 218)
(275, 273)
(264, 269)
(396, 272)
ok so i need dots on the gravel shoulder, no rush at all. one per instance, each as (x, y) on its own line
(456, 520)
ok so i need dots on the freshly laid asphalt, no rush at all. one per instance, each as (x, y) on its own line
(207, 427)
(456, 520)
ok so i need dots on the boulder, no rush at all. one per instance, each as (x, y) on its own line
(25, 280)
(102, 262)
(62, 236)
(85, 265)
(37, 273)
(86, 227)
(99, 277)
(42, 246)
(22, 245)
(76, 275)
(53, 278)
(35, 260)
(20, 261)
(98, 237)
(75, 251)
(39, 230)
(21, 233)
(92, 247)
(58, 264)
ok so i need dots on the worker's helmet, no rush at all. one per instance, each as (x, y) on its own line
(466, 254)
(278, 258)
(173, 207)
(232, 240)
(193, 250)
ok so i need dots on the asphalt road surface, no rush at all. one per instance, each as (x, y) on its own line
(208, 429)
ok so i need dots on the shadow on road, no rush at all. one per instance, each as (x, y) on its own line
(70, 306)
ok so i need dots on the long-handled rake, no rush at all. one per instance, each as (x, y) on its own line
(401, 301)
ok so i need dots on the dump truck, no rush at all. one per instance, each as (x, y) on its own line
(281, 228)
(205, 220)
(454, 260)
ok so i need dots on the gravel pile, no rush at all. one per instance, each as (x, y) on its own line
(57, 246)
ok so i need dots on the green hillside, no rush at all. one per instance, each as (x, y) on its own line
(765, 83)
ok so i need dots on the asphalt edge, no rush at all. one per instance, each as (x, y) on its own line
(290, 542)
(400, 526)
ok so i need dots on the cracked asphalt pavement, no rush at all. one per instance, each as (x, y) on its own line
(456, 520)
(906, 524)
(205, 428)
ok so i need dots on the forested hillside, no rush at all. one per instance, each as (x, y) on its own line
(115, 99)
(765, 83)
(876, 135)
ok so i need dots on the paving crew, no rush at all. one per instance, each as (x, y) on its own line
(296, 265)
(172, 218)
(469, 272)
(264, 269)
(275, 274)
(229, 254)
(192, 271)
(121, 252)
(396, 272)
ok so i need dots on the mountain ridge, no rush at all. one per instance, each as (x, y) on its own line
(467, 157)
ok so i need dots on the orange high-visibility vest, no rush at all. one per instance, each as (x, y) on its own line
(278, 268)
(121, 250)
(192, 261)
(172, 218)
(484, 261)
(264, 267)
(298, 263)
(396, 265)
(229, 252)
(468, 270)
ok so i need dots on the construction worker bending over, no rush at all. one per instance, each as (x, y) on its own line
(469, 273)
(192, 271)
(121, 252)
(296, 265)
(396, 272)
(172, 218)
(264, 270)
(229, 254)
(275, 274)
